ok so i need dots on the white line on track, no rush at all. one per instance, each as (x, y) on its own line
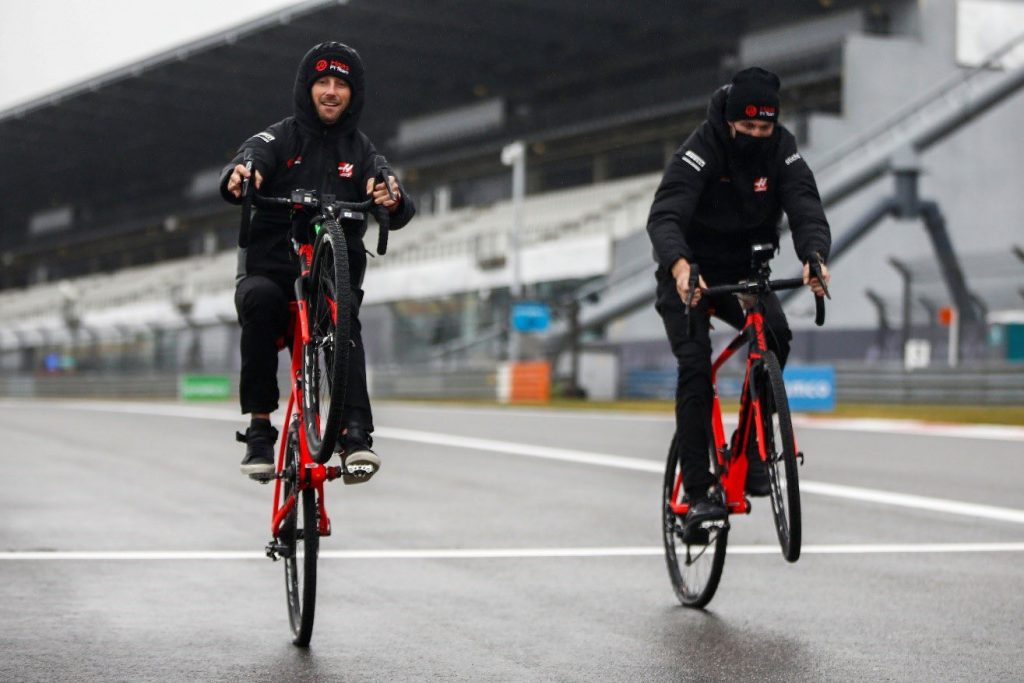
(503, 553)
(567, 455)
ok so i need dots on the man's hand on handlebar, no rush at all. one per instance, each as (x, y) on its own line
(681, 273)
(235, 181)
(380, 193)
(813, 283)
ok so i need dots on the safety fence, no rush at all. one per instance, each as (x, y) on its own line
(990, 384)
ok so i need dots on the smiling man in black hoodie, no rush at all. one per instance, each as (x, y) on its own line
(725, 190)
(318, 148)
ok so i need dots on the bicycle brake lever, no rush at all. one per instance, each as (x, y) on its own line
(381, 213)
(693, 283)
(248, 189)
(814, 265)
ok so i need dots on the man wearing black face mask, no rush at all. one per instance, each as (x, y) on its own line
(724, 190)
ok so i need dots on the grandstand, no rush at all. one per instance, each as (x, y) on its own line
(601, 105)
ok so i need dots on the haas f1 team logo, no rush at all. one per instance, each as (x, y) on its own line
(764, 111)
(761, 185)
(345, 170)
(334, 65)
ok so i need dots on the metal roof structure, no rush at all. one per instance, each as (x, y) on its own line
(128, 148)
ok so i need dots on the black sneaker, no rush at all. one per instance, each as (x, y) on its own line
(359, 461)
(757, 484)
(706, 508)
(259, 443)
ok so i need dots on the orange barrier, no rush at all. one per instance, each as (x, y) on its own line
(527, 382)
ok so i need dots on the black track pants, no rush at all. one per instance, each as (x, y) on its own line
(693, 356)
(263, 313)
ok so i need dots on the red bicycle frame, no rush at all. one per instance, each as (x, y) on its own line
(732, 466)
(311, 473)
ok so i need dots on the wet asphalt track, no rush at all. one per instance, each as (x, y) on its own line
(91, 477)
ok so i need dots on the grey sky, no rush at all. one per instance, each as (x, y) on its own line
(48, 44)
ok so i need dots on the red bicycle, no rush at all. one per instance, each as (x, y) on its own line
(320, 338)
(695, 557)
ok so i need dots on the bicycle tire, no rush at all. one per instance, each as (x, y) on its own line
(695, 576)
(299, 563)
(325, 357)
(780, 449)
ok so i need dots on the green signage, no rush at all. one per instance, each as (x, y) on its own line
(204, 387)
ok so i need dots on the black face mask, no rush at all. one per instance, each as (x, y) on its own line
(750, 147)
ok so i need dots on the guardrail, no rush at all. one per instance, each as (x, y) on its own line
(996, 384)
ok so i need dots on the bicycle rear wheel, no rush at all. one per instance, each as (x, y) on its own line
(301, 537)
(694, 565)
(325, 358)
(780, 451)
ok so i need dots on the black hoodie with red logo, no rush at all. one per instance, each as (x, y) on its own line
(300, 152)
(713, 203)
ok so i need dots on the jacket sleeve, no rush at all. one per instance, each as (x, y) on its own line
(802, 204)
(265, 158)
(372, 159)
(675, 201)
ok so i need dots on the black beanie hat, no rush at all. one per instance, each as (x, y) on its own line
(754, 94)
(330, 65)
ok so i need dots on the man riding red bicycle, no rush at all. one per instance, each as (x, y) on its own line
(320, 148)
(723, 191)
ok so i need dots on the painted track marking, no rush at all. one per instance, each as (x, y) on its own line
(569, 455)
(499, 553)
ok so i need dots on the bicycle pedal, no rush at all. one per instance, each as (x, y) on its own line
(800, 457)
(263, 477)
(357, 474)
(276, 551)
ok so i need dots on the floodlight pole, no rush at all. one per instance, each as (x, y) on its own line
(514, 155)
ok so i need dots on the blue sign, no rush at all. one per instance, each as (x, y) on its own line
(657, 383)
(531, 316)
(811, 387)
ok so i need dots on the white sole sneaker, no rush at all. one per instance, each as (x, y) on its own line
(261, 469)
(360, 467)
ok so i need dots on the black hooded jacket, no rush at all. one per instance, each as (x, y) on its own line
(712, 205)
(300, 152)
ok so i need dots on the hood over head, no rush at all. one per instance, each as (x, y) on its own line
(329, 59)
(716, 114)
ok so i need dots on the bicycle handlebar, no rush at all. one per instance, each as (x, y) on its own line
(307, 199)
(760, 286)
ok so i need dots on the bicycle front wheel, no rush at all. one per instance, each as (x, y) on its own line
(325, 357)
(694, 564)
(780, 452)
(301, 537)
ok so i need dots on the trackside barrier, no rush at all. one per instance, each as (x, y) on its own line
(524, 382)
(204, 387)
(995, 384)
(810, 387)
